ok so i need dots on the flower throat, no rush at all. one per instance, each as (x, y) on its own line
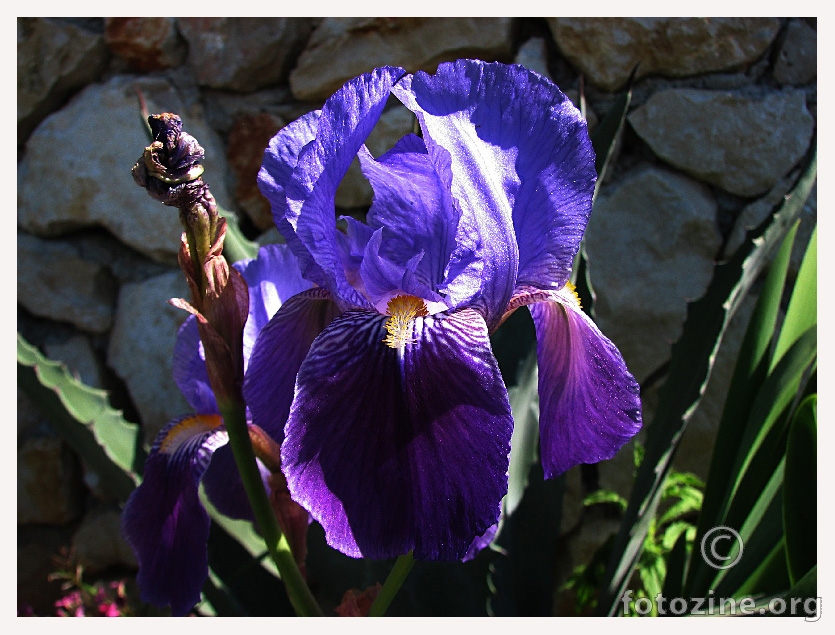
(402, 309)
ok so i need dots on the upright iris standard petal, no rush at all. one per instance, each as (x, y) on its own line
(279, 350)
(163, 519)
(520, 155)
(394, 450)
(346, 120)
(189, 368)
(589, 403)
(273, 277)
(414, 204)
(280, 159)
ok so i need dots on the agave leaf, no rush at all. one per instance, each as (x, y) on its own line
(690, 367)
(108, 444)
(676, 566)
(604, 140)
(608, 132)
(524, 404)
(800, 490)
(802, 312)
(750, 372)
(236, 246)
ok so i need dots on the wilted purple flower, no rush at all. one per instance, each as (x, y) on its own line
(163, 520)
(398, 423)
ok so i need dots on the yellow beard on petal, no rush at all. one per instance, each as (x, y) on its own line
(187, 429)
(573, 291)
(402, 309)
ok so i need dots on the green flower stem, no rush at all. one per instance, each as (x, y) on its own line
(279, 549)
(392, 585)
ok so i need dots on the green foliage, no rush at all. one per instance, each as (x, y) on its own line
(108, 444)
(759, 401)
(681, 498)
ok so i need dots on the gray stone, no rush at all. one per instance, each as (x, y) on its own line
(355, 191)
(77, 168)
(141, 345)
(80, 358)
(30, 421)
(243, 54)
(797, 61)
(533, 55)
(607, 49)
(98, 543)
(55, 283)
(758, 211)
(741, 144)
(650, 242)
(342, 48)
(55, 58)
(49, 488)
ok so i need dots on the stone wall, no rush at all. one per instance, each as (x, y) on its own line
(722, 112)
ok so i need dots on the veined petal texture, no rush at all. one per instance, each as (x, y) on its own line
(394, 450)
(163, 519)
(589, 403)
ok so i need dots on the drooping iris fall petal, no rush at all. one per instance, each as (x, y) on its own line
(589, 403)
(165, 522)
(398, 450)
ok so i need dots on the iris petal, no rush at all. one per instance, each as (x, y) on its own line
(393, 450)
(346, 120)
(278, 352)
(589, 404)
(280, 159)
(163, 519)
(189, 368)
(273, 277)
(415, 206)
(224, 487)
(520, 156)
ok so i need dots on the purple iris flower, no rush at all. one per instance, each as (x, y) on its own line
(396, 421)
(163, 520)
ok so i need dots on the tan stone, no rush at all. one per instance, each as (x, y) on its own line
(607, 49)
(145, 43)
(342, 48)
(49, 489)
(743, 145)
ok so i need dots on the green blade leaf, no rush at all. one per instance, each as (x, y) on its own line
(676, 567)
(800, 491)
(604, 140)
(608, 132)
(802, 313)
(524, 404)
(749, 373)
(109, 445)
(777, 394)
(760, 530)
(690, 367)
